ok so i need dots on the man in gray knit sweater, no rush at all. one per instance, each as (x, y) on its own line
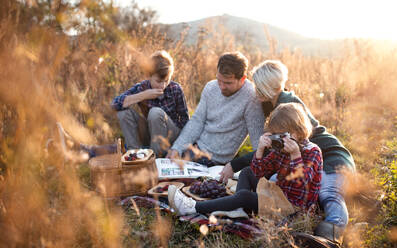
(228, 110)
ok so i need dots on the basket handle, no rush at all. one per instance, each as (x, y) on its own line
(119, 146)
(119, 151)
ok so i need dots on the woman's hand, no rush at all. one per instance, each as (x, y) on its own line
(226, 173)
(292, 147)
(264, 142)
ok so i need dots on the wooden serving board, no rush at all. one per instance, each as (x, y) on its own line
(151, 191)
(186, 190)
(136, 161)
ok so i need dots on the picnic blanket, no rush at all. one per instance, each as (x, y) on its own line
(245, 228)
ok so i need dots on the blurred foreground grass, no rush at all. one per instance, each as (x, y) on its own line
(48, 76)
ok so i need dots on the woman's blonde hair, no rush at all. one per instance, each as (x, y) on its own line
(292, 118)
(269, 78)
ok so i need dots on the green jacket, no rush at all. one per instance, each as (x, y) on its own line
(335, 155)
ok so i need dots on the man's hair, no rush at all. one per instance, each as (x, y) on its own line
(234, 63)
(162, 64)
(292, 118)
(269, 78)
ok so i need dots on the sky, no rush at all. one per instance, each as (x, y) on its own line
(312, 18)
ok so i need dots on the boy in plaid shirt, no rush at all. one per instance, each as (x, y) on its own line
(154, 111)
(151, 113)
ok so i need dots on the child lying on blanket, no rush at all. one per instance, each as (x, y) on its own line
(297, 163)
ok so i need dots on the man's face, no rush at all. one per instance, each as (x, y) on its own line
(229, 84)
(158, 83)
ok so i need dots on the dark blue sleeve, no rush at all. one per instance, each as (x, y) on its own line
(117, 103)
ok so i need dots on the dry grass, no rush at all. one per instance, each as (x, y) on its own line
(46, 76)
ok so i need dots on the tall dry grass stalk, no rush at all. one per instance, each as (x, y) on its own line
(43, 202)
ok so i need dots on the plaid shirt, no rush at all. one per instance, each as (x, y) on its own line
(173, 101)
(299, 179)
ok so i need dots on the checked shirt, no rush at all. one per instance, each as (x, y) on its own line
(299, 179)
(173, 101)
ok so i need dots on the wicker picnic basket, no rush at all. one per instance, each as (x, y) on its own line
(113, 178)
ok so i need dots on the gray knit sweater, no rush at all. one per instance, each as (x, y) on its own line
(220, 124)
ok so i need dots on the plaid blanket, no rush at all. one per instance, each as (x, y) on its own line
(245, 228)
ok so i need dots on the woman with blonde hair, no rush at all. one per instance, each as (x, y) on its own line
(269, 78)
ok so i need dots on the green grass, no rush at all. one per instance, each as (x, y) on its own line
(377, 235)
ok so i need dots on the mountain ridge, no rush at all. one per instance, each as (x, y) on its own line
(250, 32)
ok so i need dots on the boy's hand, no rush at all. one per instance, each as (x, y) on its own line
(152, 93)
(292, 147)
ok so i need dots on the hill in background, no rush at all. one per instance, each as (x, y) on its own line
(251, 33)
